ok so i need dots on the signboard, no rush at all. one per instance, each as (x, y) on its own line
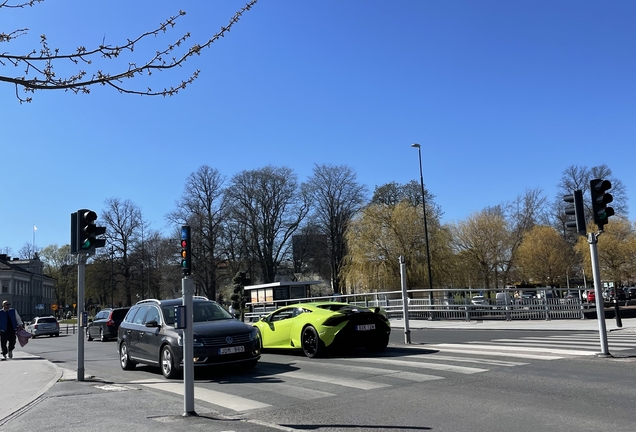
(54, 307)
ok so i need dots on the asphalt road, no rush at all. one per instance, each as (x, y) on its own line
(448, 380)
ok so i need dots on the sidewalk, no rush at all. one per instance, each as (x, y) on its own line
(38, 395)
(629, 324)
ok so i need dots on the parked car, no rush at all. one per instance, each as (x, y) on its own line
(630, 293)
(317, 327)
(503, 298)
(105, 324)
(479, 301)
(591, 296)
(148, 336)
(528, 295)
(608, 294)
(41, 326)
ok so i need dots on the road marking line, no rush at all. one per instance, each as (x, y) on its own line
(482, 346)
(547, 344)
(226, 400)
(359, 384)
(466, 349)
(472, 360)
(422, 365)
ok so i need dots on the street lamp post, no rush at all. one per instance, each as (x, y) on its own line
(428, 254)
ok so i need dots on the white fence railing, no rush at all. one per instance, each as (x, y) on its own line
(451, 307)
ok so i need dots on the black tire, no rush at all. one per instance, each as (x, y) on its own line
(88, 335)
(311, 343)
(57, 335)
(166, 362)
(124, 359)
(101, 335)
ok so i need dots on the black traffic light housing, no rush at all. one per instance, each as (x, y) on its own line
(575, 208)
(186, 251)
(600, 199)
(84, 232)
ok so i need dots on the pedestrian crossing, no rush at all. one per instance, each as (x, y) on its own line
(297, 379)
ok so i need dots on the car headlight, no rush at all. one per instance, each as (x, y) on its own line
(196, 341)
(254, 334)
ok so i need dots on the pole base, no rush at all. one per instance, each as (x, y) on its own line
(190, 414)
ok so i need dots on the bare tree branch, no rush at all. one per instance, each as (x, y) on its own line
(40, 65)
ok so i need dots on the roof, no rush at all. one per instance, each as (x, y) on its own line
(283, 284)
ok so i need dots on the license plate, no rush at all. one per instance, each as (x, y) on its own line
(232, 350)
(365, 327)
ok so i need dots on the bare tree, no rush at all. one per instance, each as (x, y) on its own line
(267, 203)
(38, 66)
(337, 197)
(202, 207)
(576, 177)
(123, 230)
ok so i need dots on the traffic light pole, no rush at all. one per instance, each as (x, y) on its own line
(592, 239)
(81, 264)
(187, 288)
(405, 301)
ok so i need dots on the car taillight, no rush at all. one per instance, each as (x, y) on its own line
(110, 323)
(35, 326)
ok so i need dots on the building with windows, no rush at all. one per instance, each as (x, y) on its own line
(25, 285)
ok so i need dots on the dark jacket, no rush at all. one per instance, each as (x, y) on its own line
(11, 314)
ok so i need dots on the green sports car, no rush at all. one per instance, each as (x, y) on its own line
(320, 326)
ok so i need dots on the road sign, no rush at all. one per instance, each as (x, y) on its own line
(54, 307)
(39, 306)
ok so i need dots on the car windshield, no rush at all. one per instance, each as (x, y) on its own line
(47, 320)
(202, 311)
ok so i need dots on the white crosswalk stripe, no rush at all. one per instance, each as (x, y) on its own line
(324, 378)
(538, 348)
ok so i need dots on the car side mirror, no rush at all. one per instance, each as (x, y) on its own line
(152, 323)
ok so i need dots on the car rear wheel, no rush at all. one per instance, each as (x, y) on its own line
(311, 343)
(124, 360)
(101, 335)
(88, 335)
(168, 368)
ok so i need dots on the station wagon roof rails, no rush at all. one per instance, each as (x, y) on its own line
(148, 301)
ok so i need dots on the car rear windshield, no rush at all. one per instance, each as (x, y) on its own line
(47, 320)
(119, 314)
(343, 307)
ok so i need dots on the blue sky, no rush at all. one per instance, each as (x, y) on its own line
(502, 95)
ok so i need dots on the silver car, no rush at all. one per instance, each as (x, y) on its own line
(41, 326)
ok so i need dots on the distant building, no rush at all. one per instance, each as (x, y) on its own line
(23, 283)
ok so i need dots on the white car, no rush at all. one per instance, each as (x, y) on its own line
(480, 301)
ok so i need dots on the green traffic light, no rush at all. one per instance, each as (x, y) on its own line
(86, 244)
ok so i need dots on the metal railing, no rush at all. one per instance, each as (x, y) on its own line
(450, 308)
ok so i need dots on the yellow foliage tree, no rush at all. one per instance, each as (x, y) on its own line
(616, 251)
(544, 256)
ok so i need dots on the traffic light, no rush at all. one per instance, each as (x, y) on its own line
(84, 232)
(186, 250)
(576, 209)
(600, 199)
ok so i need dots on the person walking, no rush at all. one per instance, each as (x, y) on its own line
(10, 322)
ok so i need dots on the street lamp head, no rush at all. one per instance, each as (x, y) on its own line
(416, 145)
